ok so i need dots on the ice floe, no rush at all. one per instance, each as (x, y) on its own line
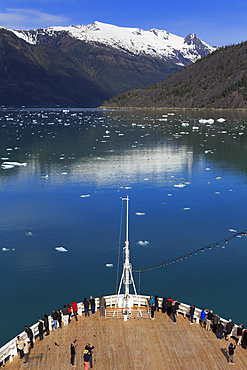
(218, 178)
(7, 166)
(17, 164)
(61, 249)
(85, 196)
(140, 213)
(232, 230)
(143, 243)
(29, 233)
(220, 120)
(186, 208)
(179, 185)
(109, 265)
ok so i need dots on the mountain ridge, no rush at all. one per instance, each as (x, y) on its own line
(154, 42)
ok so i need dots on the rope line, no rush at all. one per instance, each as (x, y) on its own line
(210, 246)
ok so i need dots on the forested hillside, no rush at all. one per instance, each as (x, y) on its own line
(218, 80)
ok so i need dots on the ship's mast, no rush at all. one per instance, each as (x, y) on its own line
(127, 277)
(127, 265)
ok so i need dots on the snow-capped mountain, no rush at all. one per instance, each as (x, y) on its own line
(155, 43)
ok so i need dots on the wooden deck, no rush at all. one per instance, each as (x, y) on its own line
(133, 345)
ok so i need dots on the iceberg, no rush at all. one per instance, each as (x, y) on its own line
(220, 120)
(186, 208)
(232, 230)
(140, 213)
(143, 243)
(85, 196)
(218, 178)
(5, 249)
(109, 265)
(61, 249)
(29, 233)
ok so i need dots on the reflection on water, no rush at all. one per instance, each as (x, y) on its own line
(186, 178)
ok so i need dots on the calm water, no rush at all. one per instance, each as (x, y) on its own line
(103, 156)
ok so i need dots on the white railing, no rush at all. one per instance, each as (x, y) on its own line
(10, 349)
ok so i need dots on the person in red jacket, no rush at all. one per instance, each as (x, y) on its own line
(74, 308)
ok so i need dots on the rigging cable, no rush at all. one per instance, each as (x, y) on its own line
(210, 246)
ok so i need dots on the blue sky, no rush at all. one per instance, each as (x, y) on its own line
(215, 22)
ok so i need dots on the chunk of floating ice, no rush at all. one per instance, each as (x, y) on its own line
(109, 265)
(207, 169)
(7, 166)
(29, 233)
(223, 247)
(64, 173)
(179, 185)
(217, 192)
(61, 249)
(218, 178)
(128, 187)
(85, 196)
(140, 213)
(186, 209)
(17, 164)
(169, 195)
(146, 179)
(232, 230)
(5, 249)
(142, 243)
(220, 120)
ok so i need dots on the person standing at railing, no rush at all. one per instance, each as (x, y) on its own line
(65, 312)
(209, 319)
(229, 327)
(220, 330)
(156, 300)
(30, 335)
(215, 323)
(192, 311)
(54, 316)
(164, 305)
(46, 323)
(92, 303)
(41, 329)
(59, 318)
(20, 344)
(174, 313)
(169, 306)
(239, 334)
(245, 339)
(102, 305)
(70, 312)
(75, 309)
(86, 306)
(203, 316)
(152, 311)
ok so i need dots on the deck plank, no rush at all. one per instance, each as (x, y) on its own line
(135, 344)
